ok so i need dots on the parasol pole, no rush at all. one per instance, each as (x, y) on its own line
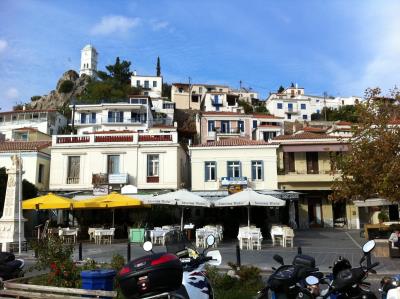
(248, 216)
(182, 219)
(113, 217)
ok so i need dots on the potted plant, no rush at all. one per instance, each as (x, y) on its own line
(383, 217)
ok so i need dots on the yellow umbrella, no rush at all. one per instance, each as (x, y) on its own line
(48, 202)
(112, 200)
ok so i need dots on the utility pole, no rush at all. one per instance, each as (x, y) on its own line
(19, 203)
(325, 94)
(190, 92)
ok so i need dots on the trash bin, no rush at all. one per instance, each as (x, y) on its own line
(102, 279)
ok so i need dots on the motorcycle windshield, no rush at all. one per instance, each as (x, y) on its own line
(176, 241)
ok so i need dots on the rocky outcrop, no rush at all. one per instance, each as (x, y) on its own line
(56, 99)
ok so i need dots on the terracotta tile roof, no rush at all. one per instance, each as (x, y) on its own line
(266, 116)
(163, 126)
(224, 113)
(27, 129)
(313, 129)
(305, 135)
(232, 142)
(28, 111)
(344, 123)
(32, 146)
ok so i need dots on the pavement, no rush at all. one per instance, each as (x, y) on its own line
(325, 245)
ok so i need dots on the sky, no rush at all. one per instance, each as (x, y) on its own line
(340, 47)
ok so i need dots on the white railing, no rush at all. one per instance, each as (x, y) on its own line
(72, 181)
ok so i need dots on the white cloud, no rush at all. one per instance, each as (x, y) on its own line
(12, 93)
(114, 24)
(3, 45)
(158, 25)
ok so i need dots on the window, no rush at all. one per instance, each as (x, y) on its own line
(73, 169)
(289, 162)
(113, 164)
(312, 162)
(210, 171)
(289, 116)
(41, 173)
(290, 106)
(318, 111)
(115, 116)
(146, 83)
(200, 89)
(234, 170)
(153, 163)
(279, 105)
(241, 125)
(303, 106)
(211, 125)
(298, 92)
(93, 118)
(168, 105)
(268, 135)
(257, 170)
(137, 83)
(304, 116)
(254, 124)
(154, 83)
(83, 118)
(225, 126)
(135, 117)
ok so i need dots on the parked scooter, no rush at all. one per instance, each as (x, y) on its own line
(177, 273)
(347, 282)
(10, 267)
(287, 281)
(390, 287)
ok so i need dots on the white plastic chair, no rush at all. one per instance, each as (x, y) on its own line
(288, 236)
(255, 239)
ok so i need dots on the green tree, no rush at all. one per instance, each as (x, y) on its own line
(248, 108)
(29, 190)
(66, 86)
(158, 67)
(166, 90)
(120, 72)
(345, 113)
(261, 109)
(371, 166)
(281, 89)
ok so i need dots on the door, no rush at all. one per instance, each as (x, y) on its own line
(315, 212)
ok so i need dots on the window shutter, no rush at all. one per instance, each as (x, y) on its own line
(215, 170)
(205, 171)
(227, 170)
(240, 169)
(253, 171)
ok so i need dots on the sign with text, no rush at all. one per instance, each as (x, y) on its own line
(226, 181)
(117, 178)
(100, 190)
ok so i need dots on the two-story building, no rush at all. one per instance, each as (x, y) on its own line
(35, 157)
(150, 85)
(46, 121)
(293, 104)
(133, 114)
(214, 126)
(305, 165)
(233, 163)
(111, 160)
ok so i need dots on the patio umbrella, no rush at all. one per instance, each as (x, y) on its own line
(249, 198)
(112, 200)
(48, 202)
(182, 198)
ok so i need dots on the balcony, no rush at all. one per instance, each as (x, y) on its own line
(293, 110)
(72, 181)
(111, 120)
(307, 176)
(153, 179)
(216, 102)
(120, 138)
(229, 132)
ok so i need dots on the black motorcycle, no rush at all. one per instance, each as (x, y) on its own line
(287, 281)
(10, 267)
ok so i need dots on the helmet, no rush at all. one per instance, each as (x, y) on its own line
(339, 265)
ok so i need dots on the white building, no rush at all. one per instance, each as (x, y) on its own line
(133, 114)
(151, 85)
(293, 104)
(163, 111)
(234, 163)
(244, 94)
(46, 121)
(35, 160)
(115, 159)
(89, 58)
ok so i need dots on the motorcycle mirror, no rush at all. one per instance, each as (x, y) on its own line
(312, 280)
(210, 240)
(278, 259)
(369, 246)
(147, 246)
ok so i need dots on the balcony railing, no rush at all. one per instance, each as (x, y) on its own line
(72, 181)
(127, 138)
(153, 179)
(229, 131)
(292, 110)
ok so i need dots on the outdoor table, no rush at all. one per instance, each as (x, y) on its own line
(249, 236)
(67, 233)
(277, 231)
(157, 236)
(91, 232)
(100, 233)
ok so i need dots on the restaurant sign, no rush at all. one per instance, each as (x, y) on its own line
(117, 178)
(100, 190)
(226, 181)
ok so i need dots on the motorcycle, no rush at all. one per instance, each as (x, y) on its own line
(10, 267)
(347, 282)
(287, 281)
(177, 273)
(390, 287)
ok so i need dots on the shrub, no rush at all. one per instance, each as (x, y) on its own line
(117, 262)
(66, 86)
(382, 216)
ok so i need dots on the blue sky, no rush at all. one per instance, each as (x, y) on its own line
(341, 47)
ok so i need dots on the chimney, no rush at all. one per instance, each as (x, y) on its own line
(296, 86)
(134, 72)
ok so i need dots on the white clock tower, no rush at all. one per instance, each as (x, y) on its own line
(89, 61)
